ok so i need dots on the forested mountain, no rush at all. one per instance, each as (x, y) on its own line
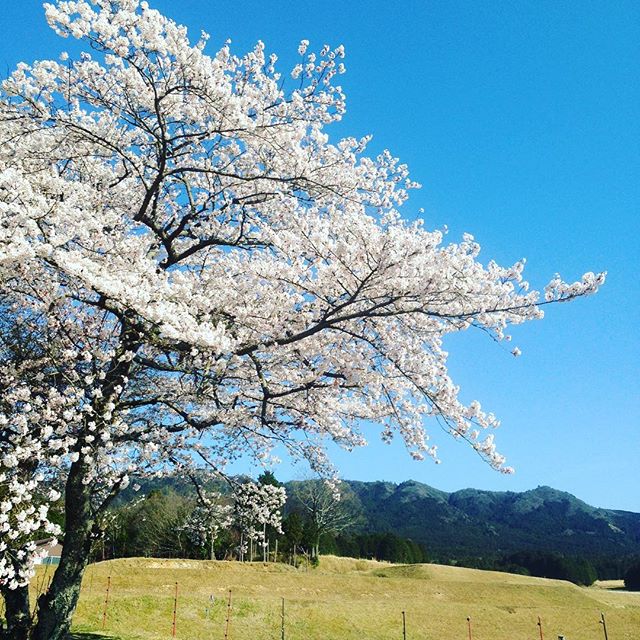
(476, 523)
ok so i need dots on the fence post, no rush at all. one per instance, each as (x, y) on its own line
(469, 626)
(603, 622)
(106, 603)
(282, 621)
(226, 629)
(175, 609)
(540, 627)
(404, 626)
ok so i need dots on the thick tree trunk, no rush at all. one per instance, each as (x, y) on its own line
(56, 607)
(17, 614)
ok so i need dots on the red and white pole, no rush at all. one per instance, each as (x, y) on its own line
(106, 603)
(175, 609)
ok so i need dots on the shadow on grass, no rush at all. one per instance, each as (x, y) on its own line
(83, 635)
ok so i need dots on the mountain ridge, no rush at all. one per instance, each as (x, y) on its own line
(472, 521)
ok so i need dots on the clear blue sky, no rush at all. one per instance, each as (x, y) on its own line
(521, 120)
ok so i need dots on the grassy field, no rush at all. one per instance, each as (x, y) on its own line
(344, 599)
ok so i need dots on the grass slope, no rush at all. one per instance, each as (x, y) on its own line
(343, 599)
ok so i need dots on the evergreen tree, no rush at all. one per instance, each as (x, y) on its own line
(632, 577)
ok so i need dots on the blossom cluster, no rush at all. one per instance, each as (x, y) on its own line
(28, 439)
(257, 506)
(208, 518)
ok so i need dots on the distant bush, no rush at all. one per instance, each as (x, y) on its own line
(632, 577)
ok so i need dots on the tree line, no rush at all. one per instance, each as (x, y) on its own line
(168, 523)
(316, 521)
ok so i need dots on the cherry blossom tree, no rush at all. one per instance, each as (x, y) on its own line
(210, 515)
(255, 507)
(192, 271)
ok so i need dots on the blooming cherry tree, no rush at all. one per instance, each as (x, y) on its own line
(255, 507)
(208, 517)
(195, 272)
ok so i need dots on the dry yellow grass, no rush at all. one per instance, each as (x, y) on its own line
(344, 599)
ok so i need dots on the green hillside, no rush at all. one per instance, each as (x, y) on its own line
(475, 524)
(342, 599)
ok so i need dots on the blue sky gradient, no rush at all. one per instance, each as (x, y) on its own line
(521, 120)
